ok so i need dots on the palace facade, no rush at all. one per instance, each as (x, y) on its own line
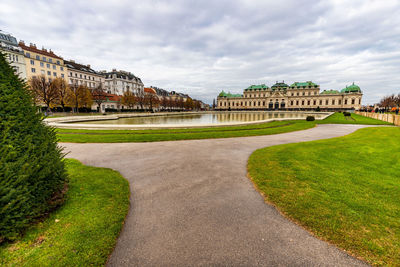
(298, 96)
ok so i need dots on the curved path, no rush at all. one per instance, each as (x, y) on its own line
(192, 204)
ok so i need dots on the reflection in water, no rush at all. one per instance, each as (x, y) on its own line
(207, 118)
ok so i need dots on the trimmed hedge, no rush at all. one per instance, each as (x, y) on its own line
(310, 118)
(32, 172)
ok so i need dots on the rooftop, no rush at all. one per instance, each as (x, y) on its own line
(34, 49)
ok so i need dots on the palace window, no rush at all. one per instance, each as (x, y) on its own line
(62, 68)
(54, 74)
(333, 102)
(352, 101)
(62, 75)
(340, 102)
(58, 62)
(302, 102)
(315, 102)
(359, 101)
(297, 102)
(50, 60)
(297, 93)
(320, 102)
(37, 57)
(345, 101)
(308, 102)
(304, 93)
(44, 58)
(291, 103)
(41, 64)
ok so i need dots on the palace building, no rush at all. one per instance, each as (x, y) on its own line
(298, 96)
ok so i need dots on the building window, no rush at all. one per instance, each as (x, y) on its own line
(58, 62)
(345, 101)
(315, 102)
(76, 75)
(340, 102)
(297, 102)
(291, 103)
(32, 62)
(43, 72)
(327, 102)
(304, 93)
(333, 102)
(50, 60)
(33, 70)
(308, 102)
(48, 65)
(297, 93)
(302, 102)
(41, 64)
(49, 73)
(28, 55)
(54, 74)
(54, 67)
(61, 68)
(70, 74)
(320, 102)
(37, 57)
(352, 102)
(44, 58)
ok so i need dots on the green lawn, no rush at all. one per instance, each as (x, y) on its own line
(84, 230)
(345, 190)
(276, 127)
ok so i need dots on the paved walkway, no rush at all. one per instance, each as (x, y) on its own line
(192, 204)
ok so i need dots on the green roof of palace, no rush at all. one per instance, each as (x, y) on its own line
(278, 85)
(256, 87)
(229, 95)
(330, 92)
(351, 89)
(308, 83)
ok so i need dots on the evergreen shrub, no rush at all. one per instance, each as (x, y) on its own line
(32, 172)
(310, 118)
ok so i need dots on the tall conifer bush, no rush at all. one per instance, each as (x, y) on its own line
(32, 171)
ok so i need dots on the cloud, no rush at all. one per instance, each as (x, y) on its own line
(202, 47)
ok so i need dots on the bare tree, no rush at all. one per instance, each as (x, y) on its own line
(43, 91)
(79, 96)
(62, 88)
(151, 101)
(99, 95)
(129, 99)
(141, 99)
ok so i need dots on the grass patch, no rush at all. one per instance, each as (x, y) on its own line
(115, 136)
(339, 118)
(344, 190)
(275, 127)
(83, 231)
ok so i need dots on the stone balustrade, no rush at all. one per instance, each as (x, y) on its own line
(395, 119)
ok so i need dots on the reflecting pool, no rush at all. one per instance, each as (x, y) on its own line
(207, 118)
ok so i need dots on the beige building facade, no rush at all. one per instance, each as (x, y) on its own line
(80, 74)
(298, 96)
(42, 62)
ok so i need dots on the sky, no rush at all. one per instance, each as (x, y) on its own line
(203, 47)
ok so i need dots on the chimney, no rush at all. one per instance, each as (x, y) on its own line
(114, 69)
(22, 42)
(73, 61)
(88, 66)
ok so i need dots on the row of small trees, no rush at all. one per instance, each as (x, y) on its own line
(152, 101)
(58, 93)
(390, 101)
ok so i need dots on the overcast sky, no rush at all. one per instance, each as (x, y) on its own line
(201, 47)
